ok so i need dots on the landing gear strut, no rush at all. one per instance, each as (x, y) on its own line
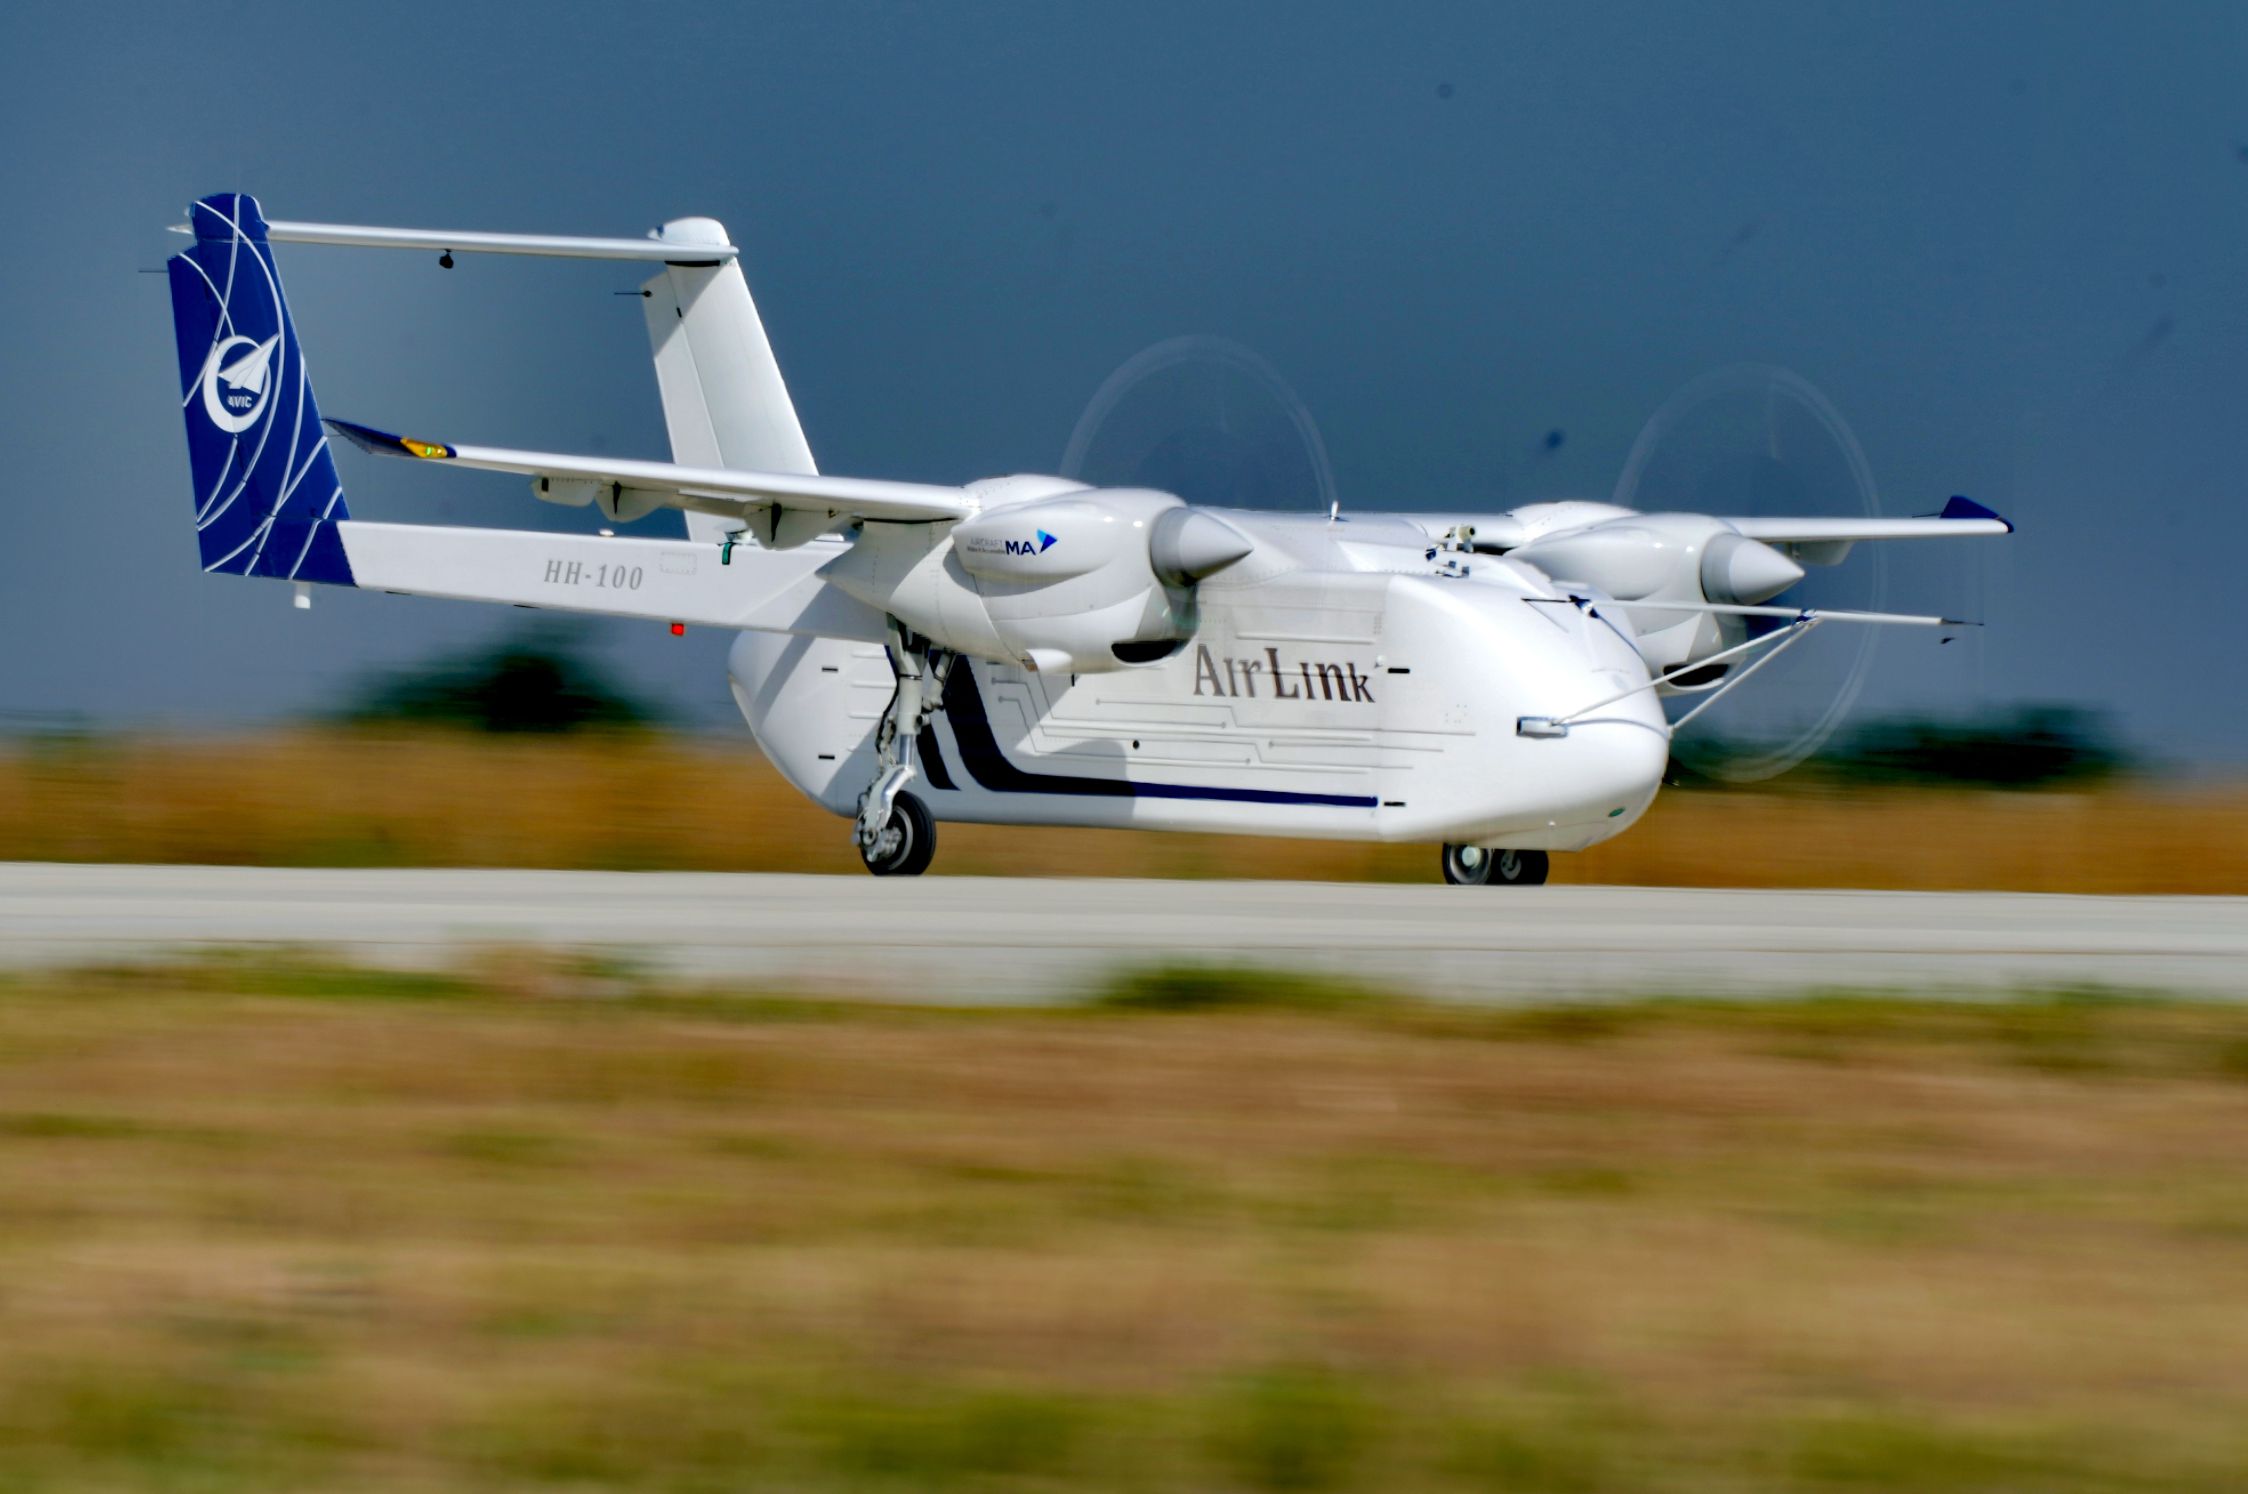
(1474, 866)
(895, 834)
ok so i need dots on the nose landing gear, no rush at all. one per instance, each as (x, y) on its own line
(1474, 866)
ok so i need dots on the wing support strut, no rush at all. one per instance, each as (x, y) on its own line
(1789, 636)
(1779, 642)
(1801, 621)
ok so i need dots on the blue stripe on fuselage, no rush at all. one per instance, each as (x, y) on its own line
(989, 767)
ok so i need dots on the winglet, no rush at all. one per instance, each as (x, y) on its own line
(1960, 507)
(383, 443)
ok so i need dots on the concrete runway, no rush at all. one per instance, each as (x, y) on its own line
(1008, 939)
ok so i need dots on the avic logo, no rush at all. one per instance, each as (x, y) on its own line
(241, 365)
(1040, 546)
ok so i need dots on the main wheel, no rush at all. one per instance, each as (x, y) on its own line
(1474, 866)
(907, 842)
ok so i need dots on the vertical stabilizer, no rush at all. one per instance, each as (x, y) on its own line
(723, 399)
(267, 497)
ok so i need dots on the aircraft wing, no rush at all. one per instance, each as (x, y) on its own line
(639, 486)
(1961, 516)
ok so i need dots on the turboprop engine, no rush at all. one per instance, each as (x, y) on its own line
(1652, 558)
(1082, 581)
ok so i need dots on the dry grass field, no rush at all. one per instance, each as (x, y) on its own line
(658, 802)
(291, 1227)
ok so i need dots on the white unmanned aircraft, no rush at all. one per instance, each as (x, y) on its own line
(1028, 649)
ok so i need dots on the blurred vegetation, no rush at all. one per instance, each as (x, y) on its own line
(537, 682)
(2029, 746)
(1188, 986)
(2015, 747)
(273, 1223)
(482, 759)
(652, 800)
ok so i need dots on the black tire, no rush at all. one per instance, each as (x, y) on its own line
(924, 836)
(1520, 868)
(1473, 866)
(907, 844)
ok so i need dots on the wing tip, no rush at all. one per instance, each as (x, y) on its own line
(1960, 506)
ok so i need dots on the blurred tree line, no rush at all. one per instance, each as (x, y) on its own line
(2012, 747)
(2026, 746)
(535, 682)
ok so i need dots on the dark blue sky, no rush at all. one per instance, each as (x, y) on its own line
(2006, 240)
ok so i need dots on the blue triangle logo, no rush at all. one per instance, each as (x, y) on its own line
(1045, 542)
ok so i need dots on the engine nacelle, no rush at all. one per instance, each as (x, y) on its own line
(1070, 584)
(1081, 582)
(1651, 558)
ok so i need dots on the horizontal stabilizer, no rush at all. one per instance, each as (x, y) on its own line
(464, 241)
(626, 487)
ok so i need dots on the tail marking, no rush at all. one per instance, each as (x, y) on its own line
(267, 496)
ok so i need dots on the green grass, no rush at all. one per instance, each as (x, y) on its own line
(1185, 986)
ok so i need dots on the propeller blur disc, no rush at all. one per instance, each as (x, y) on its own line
(1757, 441)
(1206, 419)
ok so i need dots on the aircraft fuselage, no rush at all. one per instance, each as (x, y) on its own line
(1340, 684)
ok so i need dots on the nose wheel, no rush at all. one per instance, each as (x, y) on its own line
(905, 843)
(1476, 866)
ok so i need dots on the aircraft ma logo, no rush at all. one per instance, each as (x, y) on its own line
(984, 544)
(236, 383)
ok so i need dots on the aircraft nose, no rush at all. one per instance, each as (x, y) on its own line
(1616, 765)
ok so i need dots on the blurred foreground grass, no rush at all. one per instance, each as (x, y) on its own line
(649, 801)
(286, 1226)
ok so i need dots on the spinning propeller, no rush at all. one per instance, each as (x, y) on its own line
(1206, 419)
(1757, 441)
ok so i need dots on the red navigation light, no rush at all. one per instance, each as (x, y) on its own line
(678, 630)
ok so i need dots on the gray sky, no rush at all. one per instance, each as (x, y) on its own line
(2004, 239)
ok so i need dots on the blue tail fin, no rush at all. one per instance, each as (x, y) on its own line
(266, 491)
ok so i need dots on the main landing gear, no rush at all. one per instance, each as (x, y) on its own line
(905, 844)
(1474, 866)
(895, 833)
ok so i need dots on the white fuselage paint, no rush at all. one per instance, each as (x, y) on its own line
(1341, 685)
